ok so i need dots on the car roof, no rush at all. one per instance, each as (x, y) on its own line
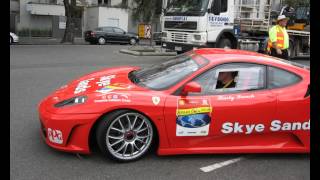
(219, 56)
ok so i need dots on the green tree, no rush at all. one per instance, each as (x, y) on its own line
(146, 10)
(295, 3)
(72, 11)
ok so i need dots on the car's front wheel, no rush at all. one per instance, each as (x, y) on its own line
(102, 40)
(133, 41)
(124, 135)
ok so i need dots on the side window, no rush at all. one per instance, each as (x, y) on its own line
(118, 30)
(224, 5)
(280, 78)
(232, 77)
(107, 29)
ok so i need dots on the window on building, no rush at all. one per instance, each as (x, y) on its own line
(52, 1)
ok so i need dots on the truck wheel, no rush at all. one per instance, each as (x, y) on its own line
(224, 43)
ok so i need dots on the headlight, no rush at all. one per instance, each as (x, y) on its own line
(72, 101)
(137, 37)
(197, 37)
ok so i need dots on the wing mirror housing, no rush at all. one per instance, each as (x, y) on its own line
(191, 87)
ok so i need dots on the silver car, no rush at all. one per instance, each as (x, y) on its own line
(13, 38)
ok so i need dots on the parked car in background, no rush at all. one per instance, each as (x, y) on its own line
(102, 35)
(13, 38)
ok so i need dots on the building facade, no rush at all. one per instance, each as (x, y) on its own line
(47, 17)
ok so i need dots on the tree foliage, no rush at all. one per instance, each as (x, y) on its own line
(72, 11)
(146, 10)
(295, 3)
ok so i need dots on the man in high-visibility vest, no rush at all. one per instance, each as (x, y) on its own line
(278, 43)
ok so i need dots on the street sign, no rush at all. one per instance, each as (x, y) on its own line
(144, 31)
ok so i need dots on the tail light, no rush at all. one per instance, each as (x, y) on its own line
(92, 33)
(308, 92)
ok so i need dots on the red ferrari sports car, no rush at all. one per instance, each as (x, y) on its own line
(204, 101)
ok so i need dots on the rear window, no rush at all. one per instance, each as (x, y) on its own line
(98, 29)
(281, 78)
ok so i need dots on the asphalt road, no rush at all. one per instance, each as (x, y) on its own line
(35, 71)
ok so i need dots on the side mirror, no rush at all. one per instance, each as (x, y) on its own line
(216, 7)
(124, 32)
(191, 87)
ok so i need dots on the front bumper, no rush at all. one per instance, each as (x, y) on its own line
(180, 47)
(67, 132)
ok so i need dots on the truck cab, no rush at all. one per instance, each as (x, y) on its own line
(188, 24)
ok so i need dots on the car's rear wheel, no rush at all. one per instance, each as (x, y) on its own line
(101, 40)
(133, 41)
(124, 135)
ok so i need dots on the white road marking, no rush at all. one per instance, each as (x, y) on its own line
(220, 165)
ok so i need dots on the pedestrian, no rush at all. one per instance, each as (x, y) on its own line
(278, 43)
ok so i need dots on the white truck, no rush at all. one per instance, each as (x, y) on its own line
(237, 24)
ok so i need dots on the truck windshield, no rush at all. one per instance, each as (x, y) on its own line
(169, 73)
(187, 7)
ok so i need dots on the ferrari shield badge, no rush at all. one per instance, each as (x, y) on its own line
(155, 100)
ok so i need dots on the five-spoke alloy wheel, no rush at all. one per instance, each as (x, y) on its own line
(125, 135)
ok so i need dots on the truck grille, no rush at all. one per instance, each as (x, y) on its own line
(181, 24)
(179, 37)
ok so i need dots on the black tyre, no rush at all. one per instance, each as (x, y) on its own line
(124, 135)
(102, 40)
(11, 40)
(224, 43)
(133, 41)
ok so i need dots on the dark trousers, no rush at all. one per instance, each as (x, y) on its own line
(284, 54)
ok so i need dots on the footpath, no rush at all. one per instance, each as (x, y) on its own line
(56, 41)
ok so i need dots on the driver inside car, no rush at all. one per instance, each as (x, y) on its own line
(226, 79)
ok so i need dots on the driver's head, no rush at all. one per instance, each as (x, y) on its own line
(225, 76)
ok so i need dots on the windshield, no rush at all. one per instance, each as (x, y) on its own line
(187, 7)
(167, 74)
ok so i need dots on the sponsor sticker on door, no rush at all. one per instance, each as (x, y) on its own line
(193, 117)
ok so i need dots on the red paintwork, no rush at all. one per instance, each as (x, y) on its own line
(286, 104)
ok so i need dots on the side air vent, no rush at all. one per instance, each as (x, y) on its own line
(308, 92)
